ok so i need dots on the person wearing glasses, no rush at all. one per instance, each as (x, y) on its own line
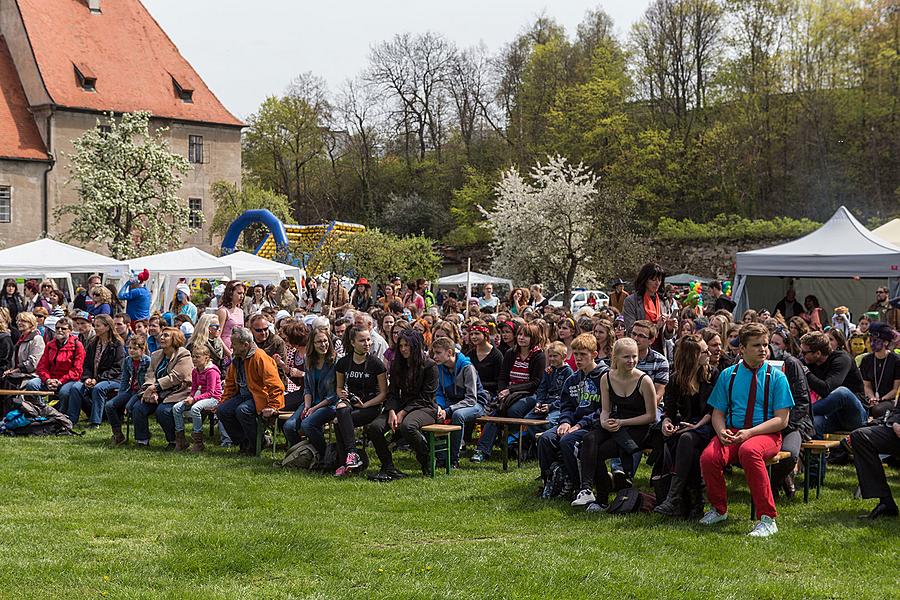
(268, 341)
(834, 377)
(647, 303)
(61, 363)
(102, 301)
(887, 313)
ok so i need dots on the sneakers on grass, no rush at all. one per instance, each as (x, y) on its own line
(712, 517)
(584, 498)
(353, 461)
(765, 527)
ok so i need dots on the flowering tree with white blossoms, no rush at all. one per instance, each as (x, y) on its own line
(128, 181)
(560, 226)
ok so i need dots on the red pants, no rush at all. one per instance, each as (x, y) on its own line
(752, 456)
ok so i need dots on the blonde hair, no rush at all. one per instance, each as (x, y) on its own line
(27, 317)
(105, 294)
(619, 348)
(558, 348)
(4, 319)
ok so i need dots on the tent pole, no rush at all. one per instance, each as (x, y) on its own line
(468, 282)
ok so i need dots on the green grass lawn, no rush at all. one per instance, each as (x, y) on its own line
(80, 519)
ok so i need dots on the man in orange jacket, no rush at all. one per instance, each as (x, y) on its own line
(252, 387)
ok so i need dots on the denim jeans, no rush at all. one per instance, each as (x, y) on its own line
(195, 411)
(462, 417)
(517, 411)
(533, 430)
(140, 416)
(166, 421)
(97, 395)
(841, 410)
(238, 416)
(124, 400)
(313, 426)
(551, 448)
(34, 385)
(292, 428)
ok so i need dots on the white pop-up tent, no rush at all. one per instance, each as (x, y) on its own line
(889, 232)
(474, 278)
(167, 267)
(841, 263)
(253, 267)
(50, 259)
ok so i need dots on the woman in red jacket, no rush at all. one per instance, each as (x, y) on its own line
(61, 364)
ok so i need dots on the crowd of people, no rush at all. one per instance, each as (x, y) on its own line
(697, 388)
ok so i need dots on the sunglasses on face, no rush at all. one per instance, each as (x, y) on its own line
(214, 326)
(258, 330)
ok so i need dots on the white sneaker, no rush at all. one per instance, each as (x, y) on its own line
(765, 527)
(712, 517)
(583, 498)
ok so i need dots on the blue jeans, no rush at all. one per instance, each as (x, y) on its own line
(34, 385)
(124, 400)
(533, 430)
(292, 428)
(97, 395)
(140, 416)
(841, 410)
(313, 427)
(517, 411)
(551, 448)
(166, 420)
(238, 416)
(462, 417)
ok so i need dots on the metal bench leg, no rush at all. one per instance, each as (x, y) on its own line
(504, 446)
(521, 436)
(806, 454)
(432, 459)
(447, 465)
(820, 474)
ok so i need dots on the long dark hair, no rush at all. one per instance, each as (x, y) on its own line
(688, 374)
(648, 272)
(404, 371)
(229, 292)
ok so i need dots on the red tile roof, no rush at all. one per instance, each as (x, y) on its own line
(19, 136)
(132, 58)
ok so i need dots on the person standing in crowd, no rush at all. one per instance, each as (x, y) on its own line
(887, 313)
(720, 300)
(880, 371)
(647, 304)
(815, 313)
(409, 407)
(286, 298)
(61, 363)
(256, 300)
(252, 388)
(181, 304)
(104, 354)
(167, 382)
(361, 298)
(686, 425)
(319, 393)
(336, 294)
(362, 388)
(538, 301)
(627, 409)
(86, 300)
(205, 394)
(751, 404)
(12, 300)
(101, 301)
(518, 300)
(423, 286)
(310, 298)
(835, 379)
(869, 443)
(488, 302)
(788, 306)
(230, 313)
(7, 345)
(136, 296)
(618, 295)
(378, 344)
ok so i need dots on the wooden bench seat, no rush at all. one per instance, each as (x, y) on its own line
(818, 448)
(435, 433)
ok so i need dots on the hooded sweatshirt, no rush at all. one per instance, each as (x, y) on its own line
(207, 383)
(580, 400)
(551, 387)
(461, 388)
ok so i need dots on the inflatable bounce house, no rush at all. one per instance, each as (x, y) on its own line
(303, 246)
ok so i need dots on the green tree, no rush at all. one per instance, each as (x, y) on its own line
(377, 255)
(128, 182)
(478, 191)
(232, 202)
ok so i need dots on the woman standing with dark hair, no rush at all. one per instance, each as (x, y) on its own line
(685, 426)
(12, 300)
(648, 304)
(815, 313)
(410, 405)
(231, 313)
(361, 298)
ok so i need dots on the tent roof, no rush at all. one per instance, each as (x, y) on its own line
(841, 247)
(47, 256)
(889, 232)
(476, 278)
(189, 262)
(249, 266)
(686, 279)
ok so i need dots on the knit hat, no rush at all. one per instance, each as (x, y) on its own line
(143, 276)
(281, 314)
(184, 289)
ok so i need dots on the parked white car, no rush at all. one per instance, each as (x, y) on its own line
(580, 298)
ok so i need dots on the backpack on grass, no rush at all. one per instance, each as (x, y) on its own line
(302, 455)
(630, 500)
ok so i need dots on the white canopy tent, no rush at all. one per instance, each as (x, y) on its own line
(841, 263)
(460, 279)
(889, 232)
(50, 259)
(257, 268)
(189, 263)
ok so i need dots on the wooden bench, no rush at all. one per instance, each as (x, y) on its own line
(819, 448)
(25, 393)
(769, 462)
(434, 433)
(504, 423)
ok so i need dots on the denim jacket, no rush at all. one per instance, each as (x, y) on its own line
(320, 384)
(128, 372)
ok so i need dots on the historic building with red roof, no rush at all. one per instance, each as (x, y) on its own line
(64, 65)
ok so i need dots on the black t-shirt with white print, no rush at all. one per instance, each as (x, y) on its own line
(361, 379)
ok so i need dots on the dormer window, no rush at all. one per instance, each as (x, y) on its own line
(94, 7)
(183, 91)
(85, 78)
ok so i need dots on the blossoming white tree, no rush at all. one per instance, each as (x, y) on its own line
(128, 181)
(560, 225)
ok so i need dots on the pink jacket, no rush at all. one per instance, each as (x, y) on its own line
(208, 382)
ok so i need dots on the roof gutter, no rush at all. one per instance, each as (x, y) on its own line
(45, 212)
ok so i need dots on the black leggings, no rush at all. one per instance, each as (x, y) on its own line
(686, 450)
(410, 429)
(348, 419)
(598, 447)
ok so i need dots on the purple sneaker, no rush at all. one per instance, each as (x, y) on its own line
(353, 461)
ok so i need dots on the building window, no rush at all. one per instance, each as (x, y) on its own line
(195, 149)
(5, 204)
(195, 220)
(183, 92)
(85, 78)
